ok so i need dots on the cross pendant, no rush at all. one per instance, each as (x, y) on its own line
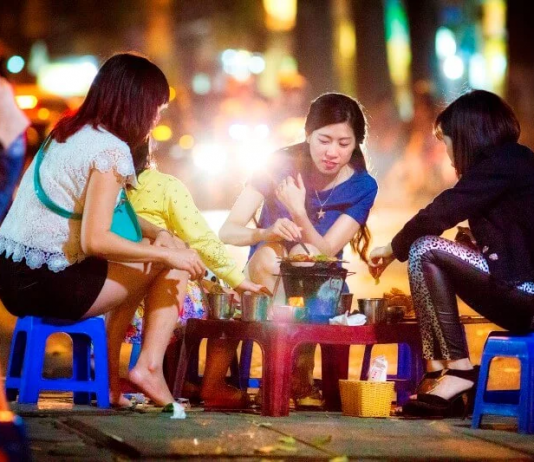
(320, 214)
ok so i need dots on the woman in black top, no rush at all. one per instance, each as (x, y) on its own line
(494, 272)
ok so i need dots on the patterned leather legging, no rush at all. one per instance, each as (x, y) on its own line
(439, 270)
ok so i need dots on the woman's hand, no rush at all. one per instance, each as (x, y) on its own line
(379, 260)
(165, 239)
(251, 287)
(292, 194)
(283, 229)
(186, 260)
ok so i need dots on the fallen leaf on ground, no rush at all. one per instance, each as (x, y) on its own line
(339, 459)
(265, 449)
(287, 440)
(262, 424)
(322, 440)
(287, 448)
(168, 408)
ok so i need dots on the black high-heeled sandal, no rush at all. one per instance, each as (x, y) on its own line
(459, 405)
(429, 381)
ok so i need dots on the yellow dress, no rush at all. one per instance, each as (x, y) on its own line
(166, 202)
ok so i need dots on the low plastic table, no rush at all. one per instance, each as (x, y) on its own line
(279, 340)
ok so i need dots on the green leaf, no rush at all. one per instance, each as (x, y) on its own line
(286, 448)
(265, 449)
(262, 424)
(168, 408)
(322, 440)
(287, 440)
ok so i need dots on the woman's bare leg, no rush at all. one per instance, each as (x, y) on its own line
(265, 265)
(215, 391)
(161, 315)
(126, 285)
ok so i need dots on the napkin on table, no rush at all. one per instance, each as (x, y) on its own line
(357, 319)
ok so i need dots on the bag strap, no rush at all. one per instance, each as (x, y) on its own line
(40, 192)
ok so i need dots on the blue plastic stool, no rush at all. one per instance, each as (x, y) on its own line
(27, 355)
(14, 444)
(513, 403)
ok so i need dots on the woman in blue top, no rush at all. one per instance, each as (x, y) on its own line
(317, 192)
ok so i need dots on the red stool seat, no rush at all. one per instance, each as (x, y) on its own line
(278, 342)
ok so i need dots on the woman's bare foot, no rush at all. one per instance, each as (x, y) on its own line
(190, 391)
(152, 384)
(224, 397)
(119, 401)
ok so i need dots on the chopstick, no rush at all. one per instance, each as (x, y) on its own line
(304, 247)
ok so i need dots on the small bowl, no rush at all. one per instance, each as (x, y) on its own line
(254, 306)
(345, 303)
(221, 306)
(395, 314)
(288, 313)
(374, 309)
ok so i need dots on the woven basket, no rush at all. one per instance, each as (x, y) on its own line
(366, 399)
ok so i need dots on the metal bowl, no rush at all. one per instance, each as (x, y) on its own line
(221, 306)
(254, 306)
(374, 309)
(288, 313)
(395, 314)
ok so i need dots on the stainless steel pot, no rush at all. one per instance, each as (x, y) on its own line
(374, 309)
(254, 306)
(221, 306)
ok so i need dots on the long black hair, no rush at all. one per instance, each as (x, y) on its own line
(335, 108)
(475, 122)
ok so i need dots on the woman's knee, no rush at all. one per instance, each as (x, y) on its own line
(298, 249)
(266, 259)
(424, 246)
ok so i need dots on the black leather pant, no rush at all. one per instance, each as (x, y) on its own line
(440, 270)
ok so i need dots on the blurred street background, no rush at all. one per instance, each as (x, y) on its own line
(243, 72)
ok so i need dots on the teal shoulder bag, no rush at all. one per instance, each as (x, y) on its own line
(124, 222)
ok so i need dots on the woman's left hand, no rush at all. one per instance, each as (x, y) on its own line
(292, 194)
(379, 260)
(166, 239)
(250, 286)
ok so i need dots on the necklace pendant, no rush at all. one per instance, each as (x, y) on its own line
(320, 214)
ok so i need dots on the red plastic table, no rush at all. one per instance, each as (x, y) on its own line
(278, 342)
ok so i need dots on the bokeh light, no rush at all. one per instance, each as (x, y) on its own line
(445, 43)
(453, 67)
(15, 64)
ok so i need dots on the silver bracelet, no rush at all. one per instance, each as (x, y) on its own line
(165, 231)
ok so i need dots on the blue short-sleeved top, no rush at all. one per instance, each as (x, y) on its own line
(354, 197)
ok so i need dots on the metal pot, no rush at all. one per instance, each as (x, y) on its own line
(221, 306)
(374, 309)
(254, 306)
(319, 285)
(395, 314)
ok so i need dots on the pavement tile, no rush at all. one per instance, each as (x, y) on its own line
(155, 435)
(149, 435)
(449, 439)
(52, 441)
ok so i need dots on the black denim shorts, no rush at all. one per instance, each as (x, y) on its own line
(67, 294)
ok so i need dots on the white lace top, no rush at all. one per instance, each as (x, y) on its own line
(30, 230)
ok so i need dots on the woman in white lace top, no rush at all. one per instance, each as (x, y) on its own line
(74, 269)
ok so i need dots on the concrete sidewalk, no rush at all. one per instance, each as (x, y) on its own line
(57, 430)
